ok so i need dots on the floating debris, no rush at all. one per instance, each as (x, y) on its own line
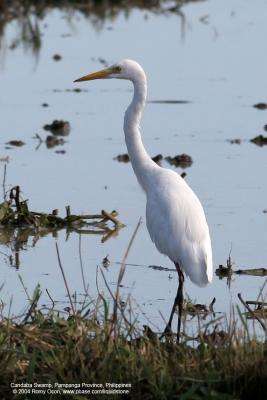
(122, 303)
(252, 271)
(205, 19)
(57, 57)
(260, 106)
(122, 158)
(106, 262)
(225, 272)
(234, 141)
(259, 140)
(181, 160)
(168, 101)
(103, 61)
(58, 127)
(157, 159)
(16, 143)
(125, 158)
(160, 268)
(52, 141)
(45, 105)
(74, 90)
(183, 175)
(60, 151)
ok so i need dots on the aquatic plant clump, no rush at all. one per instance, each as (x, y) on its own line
(15, 214)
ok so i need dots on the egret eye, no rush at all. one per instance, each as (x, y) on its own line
(117, 69)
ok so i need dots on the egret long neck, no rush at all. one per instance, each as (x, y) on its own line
(141, 161)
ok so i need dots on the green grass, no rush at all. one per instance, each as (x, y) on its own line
(99, 344)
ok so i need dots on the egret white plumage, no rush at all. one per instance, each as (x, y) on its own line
(175, 217)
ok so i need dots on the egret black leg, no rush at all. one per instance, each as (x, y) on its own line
(178, 301)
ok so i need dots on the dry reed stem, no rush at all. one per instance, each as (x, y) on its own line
(65, 280)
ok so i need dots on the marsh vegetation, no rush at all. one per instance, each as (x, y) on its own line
(99, 341)
(58, 149)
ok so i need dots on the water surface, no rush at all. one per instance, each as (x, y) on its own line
(213, 58)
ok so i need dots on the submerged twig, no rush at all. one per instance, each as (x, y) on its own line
(4, 181)
(81, 264)
(50, 297)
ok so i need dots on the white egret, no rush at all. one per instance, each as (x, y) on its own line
(174, 215)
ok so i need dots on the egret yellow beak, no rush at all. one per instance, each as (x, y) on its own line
(103, 73)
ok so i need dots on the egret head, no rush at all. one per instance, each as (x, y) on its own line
(125, 69)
